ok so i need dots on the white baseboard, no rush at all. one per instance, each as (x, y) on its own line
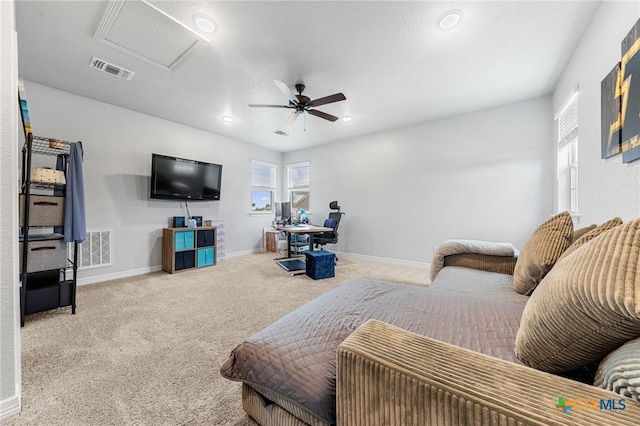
(9, 407)
(243, 252)
(117, 275)
(382, 259)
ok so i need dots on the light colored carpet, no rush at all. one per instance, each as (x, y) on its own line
(146, 350)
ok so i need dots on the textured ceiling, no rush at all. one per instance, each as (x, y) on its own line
(391, 60)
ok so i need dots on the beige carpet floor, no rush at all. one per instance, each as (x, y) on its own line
(146, 350)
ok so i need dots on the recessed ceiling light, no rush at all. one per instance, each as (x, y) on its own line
(450, 19)
(227, 118)
(346, 118)
(204, 23)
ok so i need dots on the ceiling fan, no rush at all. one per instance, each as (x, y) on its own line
(301, 103)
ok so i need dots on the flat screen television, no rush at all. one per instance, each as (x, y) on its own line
(175, 178)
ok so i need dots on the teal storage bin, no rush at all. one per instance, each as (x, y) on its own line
(185, 240)
(206, 256)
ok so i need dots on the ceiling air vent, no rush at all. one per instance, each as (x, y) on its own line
(105, 66)
(280, 133)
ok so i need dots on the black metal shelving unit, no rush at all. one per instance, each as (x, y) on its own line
(44, 287)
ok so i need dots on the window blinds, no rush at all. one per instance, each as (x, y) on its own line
(568, 122)
(298, 175)
(263, 174)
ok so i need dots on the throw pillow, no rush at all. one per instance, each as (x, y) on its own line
(620, 370)
(581, 231)
(587, 306)
(611, 223)
(541, 251)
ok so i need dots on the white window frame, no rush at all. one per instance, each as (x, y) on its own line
(298, 178)
(263, 178)
(567, 156)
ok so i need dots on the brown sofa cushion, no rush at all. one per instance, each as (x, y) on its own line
(620, 370)
(483, 262)
(588, 236)
(581, 231)
(587, 306)
(541, 251)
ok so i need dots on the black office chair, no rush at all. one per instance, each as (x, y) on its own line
(333, 221)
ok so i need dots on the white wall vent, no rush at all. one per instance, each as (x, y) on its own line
(96, 251)
(112, 69)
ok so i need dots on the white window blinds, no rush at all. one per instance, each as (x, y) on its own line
(263, 174)
(568, 121)
(298, 175)
(567, 164)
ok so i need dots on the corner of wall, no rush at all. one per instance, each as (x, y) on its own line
(10, 385)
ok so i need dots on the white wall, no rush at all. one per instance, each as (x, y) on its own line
(117, 164)
(9, 293)
(485, 175)
(607, 188)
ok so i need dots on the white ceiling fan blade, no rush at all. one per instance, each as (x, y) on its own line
(287, 91)
(293, 117)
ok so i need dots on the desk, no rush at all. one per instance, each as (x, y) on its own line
(296, 264)
(302, 229)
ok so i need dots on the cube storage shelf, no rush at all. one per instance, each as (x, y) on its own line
(188, 248)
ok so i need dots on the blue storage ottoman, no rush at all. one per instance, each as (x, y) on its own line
(320, 264)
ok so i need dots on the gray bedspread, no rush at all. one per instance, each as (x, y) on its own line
(296, 356)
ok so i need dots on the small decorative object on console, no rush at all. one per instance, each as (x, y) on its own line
(178, 222)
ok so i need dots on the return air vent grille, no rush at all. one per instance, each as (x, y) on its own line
(280, 133)
(112, 69)
(94, 252)
(142, 30)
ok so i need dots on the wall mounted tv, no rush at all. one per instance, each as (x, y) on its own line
(175, 178)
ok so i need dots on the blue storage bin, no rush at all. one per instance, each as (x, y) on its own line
(320, 264)
(206, 257)
(185, 240)
(185, 260)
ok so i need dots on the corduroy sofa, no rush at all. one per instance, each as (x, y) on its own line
(462, 350)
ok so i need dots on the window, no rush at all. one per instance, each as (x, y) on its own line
(263, 186)
(567, 173)
(298, 185)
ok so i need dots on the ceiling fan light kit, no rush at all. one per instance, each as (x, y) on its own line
(301, 103)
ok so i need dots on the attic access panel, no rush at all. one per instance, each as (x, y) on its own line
(147, 33)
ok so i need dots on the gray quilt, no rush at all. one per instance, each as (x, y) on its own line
(296, 356)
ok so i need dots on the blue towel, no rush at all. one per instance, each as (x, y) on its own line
(75, 224)
(60, 162)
